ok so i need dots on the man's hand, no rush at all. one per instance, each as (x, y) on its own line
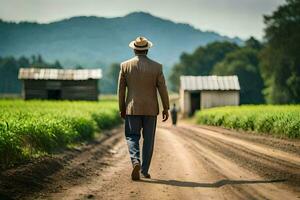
(123, 114)
(165, 114)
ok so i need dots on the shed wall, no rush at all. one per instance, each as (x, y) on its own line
(219, 98)
(71, 90)
(185, 102)
(80, 90)
(34, 89)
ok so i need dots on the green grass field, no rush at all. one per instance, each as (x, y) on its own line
(33, 128)
(283, 121)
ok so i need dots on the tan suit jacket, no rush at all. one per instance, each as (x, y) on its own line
(142, 77)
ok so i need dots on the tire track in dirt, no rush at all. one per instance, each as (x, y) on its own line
(276, 143)
(215, 159)
(267, 164)
(263, 149)
(221, 178)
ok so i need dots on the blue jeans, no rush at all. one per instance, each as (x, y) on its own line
(133, 126)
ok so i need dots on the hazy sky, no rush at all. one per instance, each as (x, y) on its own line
(241, 18)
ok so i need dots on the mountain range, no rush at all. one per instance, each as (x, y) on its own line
(98, 41)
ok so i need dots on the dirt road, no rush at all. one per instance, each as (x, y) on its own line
(190, 162)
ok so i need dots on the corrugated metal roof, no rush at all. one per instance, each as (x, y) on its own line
(59, 74)
(209, 83)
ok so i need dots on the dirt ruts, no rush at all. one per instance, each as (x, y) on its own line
(189, 162)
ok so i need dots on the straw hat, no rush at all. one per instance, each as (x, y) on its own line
(140, 43)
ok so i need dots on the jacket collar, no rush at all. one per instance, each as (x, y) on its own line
(140, 55)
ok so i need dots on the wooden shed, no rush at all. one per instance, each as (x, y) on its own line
(68, 84)
(199, 92)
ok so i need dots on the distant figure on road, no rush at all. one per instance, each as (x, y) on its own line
(139, 107)
(174, 114)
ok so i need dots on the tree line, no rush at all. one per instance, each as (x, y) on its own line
(9, 69)
(268, 71)
(225, 58)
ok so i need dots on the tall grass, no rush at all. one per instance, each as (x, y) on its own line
(283, 120)
(32, 128)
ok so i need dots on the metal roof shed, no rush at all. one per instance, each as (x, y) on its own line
(71, 84)
(199, 92)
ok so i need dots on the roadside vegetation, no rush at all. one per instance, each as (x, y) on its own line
(282, 121)
(32, 128)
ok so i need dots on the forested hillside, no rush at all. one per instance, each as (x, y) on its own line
(99, 41)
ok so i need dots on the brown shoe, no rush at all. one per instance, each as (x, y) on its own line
(146, 175)
(135, 174)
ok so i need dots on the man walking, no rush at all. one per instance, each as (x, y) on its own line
(139, 106)
(174, 114)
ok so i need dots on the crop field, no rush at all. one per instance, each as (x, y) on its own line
(33, 128)
(282, 121)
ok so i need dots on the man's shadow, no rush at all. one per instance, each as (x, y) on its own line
(216, 184)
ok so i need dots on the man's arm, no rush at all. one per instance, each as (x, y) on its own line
(163, 92)
(121, 93)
